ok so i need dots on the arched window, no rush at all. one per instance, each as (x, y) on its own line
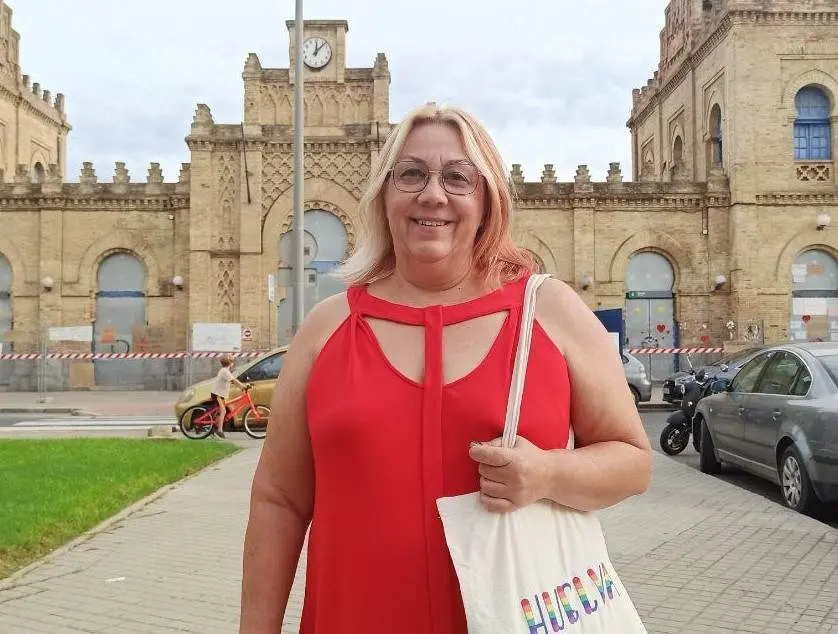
(38, 173)
(812, 128)
(814, 297)
(120, 312)
(678, 157)
(716, 135)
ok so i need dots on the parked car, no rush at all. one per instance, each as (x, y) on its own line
(637, 377)
(261, 372)
(724, 368)
(778, 419)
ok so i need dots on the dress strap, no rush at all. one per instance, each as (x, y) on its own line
(509, 297)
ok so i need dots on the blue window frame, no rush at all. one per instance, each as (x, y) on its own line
(812, 128)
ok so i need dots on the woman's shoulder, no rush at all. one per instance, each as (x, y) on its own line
(564, 315)
(323, 320)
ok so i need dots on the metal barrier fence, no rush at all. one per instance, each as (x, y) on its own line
(66, 371)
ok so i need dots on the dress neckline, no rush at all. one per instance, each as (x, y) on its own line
(498, 300)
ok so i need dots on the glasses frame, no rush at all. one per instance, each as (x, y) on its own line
(440, 177)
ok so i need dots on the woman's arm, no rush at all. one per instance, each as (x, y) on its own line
(282, 495)
(612, 459)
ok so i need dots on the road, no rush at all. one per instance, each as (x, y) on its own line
(654, 423)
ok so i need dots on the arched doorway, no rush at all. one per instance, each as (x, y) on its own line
(814, 297)
(649, 310)
(120, 313)
(5, 315)
(326, 244)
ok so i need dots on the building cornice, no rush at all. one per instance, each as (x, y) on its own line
(797, 198)
(92, 203)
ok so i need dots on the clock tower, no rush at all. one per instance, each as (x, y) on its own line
(324, 50)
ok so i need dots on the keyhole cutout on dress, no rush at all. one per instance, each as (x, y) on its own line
(465, 345)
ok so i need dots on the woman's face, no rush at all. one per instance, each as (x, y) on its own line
(434, 226)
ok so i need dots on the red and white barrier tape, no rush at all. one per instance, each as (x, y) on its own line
(101, 356)
(673, 350)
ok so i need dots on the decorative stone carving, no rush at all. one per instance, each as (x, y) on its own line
(548, 179)
(817, 173)
(582, 180)
(320, 204)
(227, 171)
(252, 65)
(52, 180)
(121, 179)
(154, 180)
(226, 307)
(381, 67)
(202, 122)
(516, 175)
(615, 174)
(88, 178)
(324, 105)
(349, 170)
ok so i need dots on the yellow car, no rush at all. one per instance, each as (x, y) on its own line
(261, 373)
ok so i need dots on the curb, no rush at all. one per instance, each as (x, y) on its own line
(73, 411)
(656, 407)
(11, 581)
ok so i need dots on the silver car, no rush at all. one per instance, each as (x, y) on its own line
(637, 377)
(778, 419)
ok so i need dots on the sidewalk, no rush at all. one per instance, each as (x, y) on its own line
(134, 403)
(696, 553)
(94, 402)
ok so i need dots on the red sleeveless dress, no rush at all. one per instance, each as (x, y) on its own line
(385, 448)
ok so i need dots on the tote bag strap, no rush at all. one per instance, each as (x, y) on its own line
(519, 370)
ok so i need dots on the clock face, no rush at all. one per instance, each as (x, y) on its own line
(316, 52)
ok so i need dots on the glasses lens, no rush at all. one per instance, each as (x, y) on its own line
(459, 178)
(410, 176)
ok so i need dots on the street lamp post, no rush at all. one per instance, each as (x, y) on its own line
(299, 225)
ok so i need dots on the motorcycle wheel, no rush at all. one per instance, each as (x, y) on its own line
(674, 440)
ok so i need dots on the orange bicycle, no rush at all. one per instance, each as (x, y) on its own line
(199, 420)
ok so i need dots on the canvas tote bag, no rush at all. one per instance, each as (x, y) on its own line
(542, 568)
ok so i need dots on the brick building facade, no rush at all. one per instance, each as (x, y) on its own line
(721, 234)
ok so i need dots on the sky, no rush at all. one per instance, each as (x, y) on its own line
(550, 79)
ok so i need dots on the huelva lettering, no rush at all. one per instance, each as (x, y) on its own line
(565, 605)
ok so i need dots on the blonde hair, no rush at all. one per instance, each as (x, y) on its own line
(495, 254)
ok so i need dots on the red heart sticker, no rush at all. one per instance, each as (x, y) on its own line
(705, 339)
(661, 327)
(806, 318)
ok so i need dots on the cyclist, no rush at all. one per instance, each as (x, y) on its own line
(221, 390)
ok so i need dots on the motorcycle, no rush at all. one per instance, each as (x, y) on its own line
(679, 425)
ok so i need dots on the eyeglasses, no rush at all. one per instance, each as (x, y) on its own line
(458, 177)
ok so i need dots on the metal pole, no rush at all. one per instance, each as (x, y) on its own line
(299, 226)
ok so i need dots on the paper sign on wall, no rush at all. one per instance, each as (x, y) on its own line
(216, 337)
(71, 333)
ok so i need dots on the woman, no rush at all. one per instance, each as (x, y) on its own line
(393, 395)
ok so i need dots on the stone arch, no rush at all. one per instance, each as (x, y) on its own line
(320, 194)
(814, 77)
(118, 241)
(20, 272)
(803, 241)
(535, 245)
(678, 256)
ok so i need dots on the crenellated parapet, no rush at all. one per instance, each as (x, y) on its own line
(614, 192)
(88, 193)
